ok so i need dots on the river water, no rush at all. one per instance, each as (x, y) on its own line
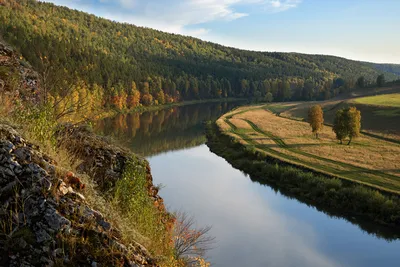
(254, 225)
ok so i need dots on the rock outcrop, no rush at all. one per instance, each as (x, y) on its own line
(18, 80)
(104, 161)
(45, 219)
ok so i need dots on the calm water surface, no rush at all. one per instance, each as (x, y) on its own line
(253, 224)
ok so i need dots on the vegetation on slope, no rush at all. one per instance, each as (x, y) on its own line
(122, 66)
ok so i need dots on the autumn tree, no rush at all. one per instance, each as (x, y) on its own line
(353, 121)
(133, 98)
(316, 119)
(347, 123)
(147, 99)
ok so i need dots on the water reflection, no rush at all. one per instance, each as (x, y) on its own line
(254, 225)
(154, 132)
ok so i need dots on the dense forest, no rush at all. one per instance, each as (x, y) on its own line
(122, 66)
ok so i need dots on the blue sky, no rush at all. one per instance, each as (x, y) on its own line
(367, 30)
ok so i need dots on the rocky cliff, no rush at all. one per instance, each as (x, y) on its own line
(17, 78)
(44, 217)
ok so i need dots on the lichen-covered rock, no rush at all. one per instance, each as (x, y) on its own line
(44, 218)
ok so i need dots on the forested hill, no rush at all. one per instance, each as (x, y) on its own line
(391, 68)
(127, 65)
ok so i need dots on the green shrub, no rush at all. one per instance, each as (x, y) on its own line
(40, 120)
(131, 197)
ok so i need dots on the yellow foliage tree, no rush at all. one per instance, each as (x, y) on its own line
(133, 98)
(316, 119)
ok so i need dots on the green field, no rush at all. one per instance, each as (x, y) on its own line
(391, 100)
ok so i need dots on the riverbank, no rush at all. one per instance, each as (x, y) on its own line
(336, 196)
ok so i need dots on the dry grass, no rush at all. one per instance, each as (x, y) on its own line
(368, 160)
(240, 124)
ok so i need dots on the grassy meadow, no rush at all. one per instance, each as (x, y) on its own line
(392, 100)
(368, 160)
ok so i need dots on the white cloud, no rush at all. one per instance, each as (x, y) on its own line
(279, 5)
(176, 16)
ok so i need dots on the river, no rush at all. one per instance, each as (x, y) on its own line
(254, 225)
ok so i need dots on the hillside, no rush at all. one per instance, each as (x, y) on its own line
(392, 68)
(69, 197)
(125, 66)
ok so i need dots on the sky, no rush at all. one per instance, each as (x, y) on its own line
(366, 30)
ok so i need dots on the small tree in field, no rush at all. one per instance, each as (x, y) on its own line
(347, 123)
(339, 125)
(353, 123)
(316, 119)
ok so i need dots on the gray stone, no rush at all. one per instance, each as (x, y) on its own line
(34, 168)
(23, 154)
(8, 146)
(42, 236)
(55, 220)
(106, 226)
(9, 172)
